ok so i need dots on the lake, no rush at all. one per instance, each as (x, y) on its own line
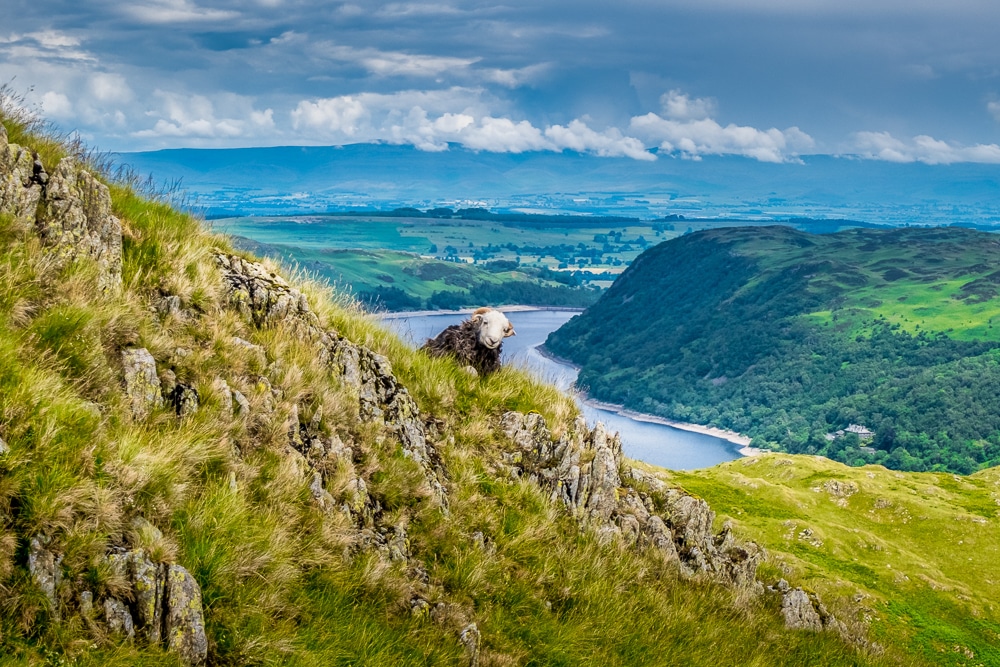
(642, 438)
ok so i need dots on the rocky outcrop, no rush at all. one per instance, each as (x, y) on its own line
(162, 604)
(70, 210)
(804, 610)
(268, 300)
(165, 605)
(75, 220)
(469, 638)
(20, 185)
(586, 471)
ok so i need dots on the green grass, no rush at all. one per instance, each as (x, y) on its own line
(916, 551)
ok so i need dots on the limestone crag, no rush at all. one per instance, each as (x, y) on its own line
(268, 300)
(586, 471)
(75, 220)
(162, 605)
(71, 210)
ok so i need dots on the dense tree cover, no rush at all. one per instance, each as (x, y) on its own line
(721, 328)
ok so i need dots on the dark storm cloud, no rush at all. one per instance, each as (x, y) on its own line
(770, 79)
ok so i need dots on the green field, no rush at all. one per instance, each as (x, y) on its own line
(370, 254)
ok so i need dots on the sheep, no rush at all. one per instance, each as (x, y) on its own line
(476, 342)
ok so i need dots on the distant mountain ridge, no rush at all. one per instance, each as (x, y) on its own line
(285, 180)
(791, 337)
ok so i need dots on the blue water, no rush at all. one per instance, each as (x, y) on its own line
(642, 440)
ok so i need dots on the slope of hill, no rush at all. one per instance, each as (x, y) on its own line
(916, 551)
(791, 337)
(204, 463)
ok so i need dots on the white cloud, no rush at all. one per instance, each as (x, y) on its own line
(386, 63)
(884, 146)
(176, 11)
(337, 115)
(403, 119)
(679, 106)
(577, 136)
(398, 63)
(692, 137)
(44, 45)
(109, 88)
(56, 105)
(195, 117)
(415, 9)
(512, 78)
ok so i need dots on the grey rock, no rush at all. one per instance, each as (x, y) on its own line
(184, 621)
(399, 545)
(142, 384)
(86, 601)
(257, 352)
(169, 306)
(184, 399)
(166, 606)
(419, 607)
(242, 404)
(118, 618)
(658, 536)
(585, 470)
(75, 220)
(146, 530)
(46, 569)
(4, 448)
(225, 395)
(20, 191)
(321, 495)
(469, 637)
(148, 593)
(799, 612)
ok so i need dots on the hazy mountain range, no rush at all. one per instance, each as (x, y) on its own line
(294, 180)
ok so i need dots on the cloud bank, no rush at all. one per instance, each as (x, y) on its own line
(884, 146)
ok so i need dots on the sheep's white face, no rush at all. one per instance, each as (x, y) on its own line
(493, 328)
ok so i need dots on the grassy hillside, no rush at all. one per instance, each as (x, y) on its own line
(789, 337)
(915, 552)
(268, 472)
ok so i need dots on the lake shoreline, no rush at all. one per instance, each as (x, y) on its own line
(402, 314)
(732, 436)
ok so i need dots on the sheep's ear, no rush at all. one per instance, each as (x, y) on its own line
(478, 313)
(509, 331)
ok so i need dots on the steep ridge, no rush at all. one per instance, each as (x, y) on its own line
(202, 462)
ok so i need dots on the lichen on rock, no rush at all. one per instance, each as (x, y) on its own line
(142, 384)
(20, 187)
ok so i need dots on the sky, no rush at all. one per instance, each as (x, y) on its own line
(895, 80)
